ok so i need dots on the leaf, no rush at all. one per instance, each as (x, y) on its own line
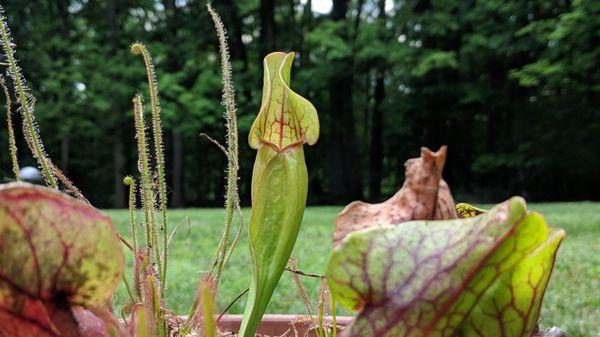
(464, 210)
(142, 323)
(510, 307)
(55, 253)
(424, 196)
(209, 327)
(435, 60)
(278, 202)
(285, 122)
(424, 277)
(285, 118)
(205, 295)
(444, 207)
(98, 322)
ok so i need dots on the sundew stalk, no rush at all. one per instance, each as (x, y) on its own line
(128, 181)
(25, 102)
(231, 198)
(12, 144)
(147, 191)
(139, 49)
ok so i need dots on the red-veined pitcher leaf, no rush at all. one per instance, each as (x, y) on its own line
(285, 123)
(35, 319)
(464, 210)
(527, 235)
(278, 203)
(510, 307)
(55, 252)
(403, 278)
(285, 118)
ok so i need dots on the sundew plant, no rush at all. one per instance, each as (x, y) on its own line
(61, 258)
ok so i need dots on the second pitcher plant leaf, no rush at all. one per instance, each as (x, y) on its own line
(423, 278)
(510, 306)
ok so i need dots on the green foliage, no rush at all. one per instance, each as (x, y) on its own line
(447, 278)
(500, 82)
(28, 310)
(436, 60)
(284, 124)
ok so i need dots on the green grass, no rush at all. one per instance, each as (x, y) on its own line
(572, 301)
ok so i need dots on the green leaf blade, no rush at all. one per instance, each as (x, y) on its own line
(479, 276)
(510, 307)
(286, 122)
(425, 264)
(278, 207)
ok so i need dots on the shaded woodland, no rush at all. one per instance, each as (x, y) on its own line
(512, 87)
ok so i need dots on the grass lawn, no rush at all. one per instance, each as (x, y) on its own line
(572, 301)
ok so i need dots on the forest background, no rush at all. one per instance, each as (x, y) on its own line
(511, 86)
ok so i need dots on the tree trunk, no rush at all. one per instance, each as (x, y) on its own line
(172, 65)
(118, 146)
(267, 26)
(346, 178)
(118, 167)
(238, 49)
(376, 151)
(307, 20)
(63, 13)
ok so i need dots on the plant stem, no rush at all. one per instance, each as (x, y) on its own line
(333, 315)
(20, 88)
(132, 225)
(209, 326)
(232, 198)
(147, 191)
(128, 288)
(139, 48)
(155, 303)
(12, 144)
(294, 266)
(320, 331)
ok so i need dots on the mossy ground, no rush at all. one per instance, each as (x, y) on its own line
(572, 301)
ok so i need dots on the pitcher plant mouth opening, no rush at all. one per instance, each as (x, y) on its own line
(285, 119)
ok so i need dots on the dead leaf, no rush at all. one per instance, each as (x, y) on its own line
(424, 196)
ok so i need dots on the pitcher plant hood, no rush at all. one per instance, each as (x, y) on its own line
(285, 119)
